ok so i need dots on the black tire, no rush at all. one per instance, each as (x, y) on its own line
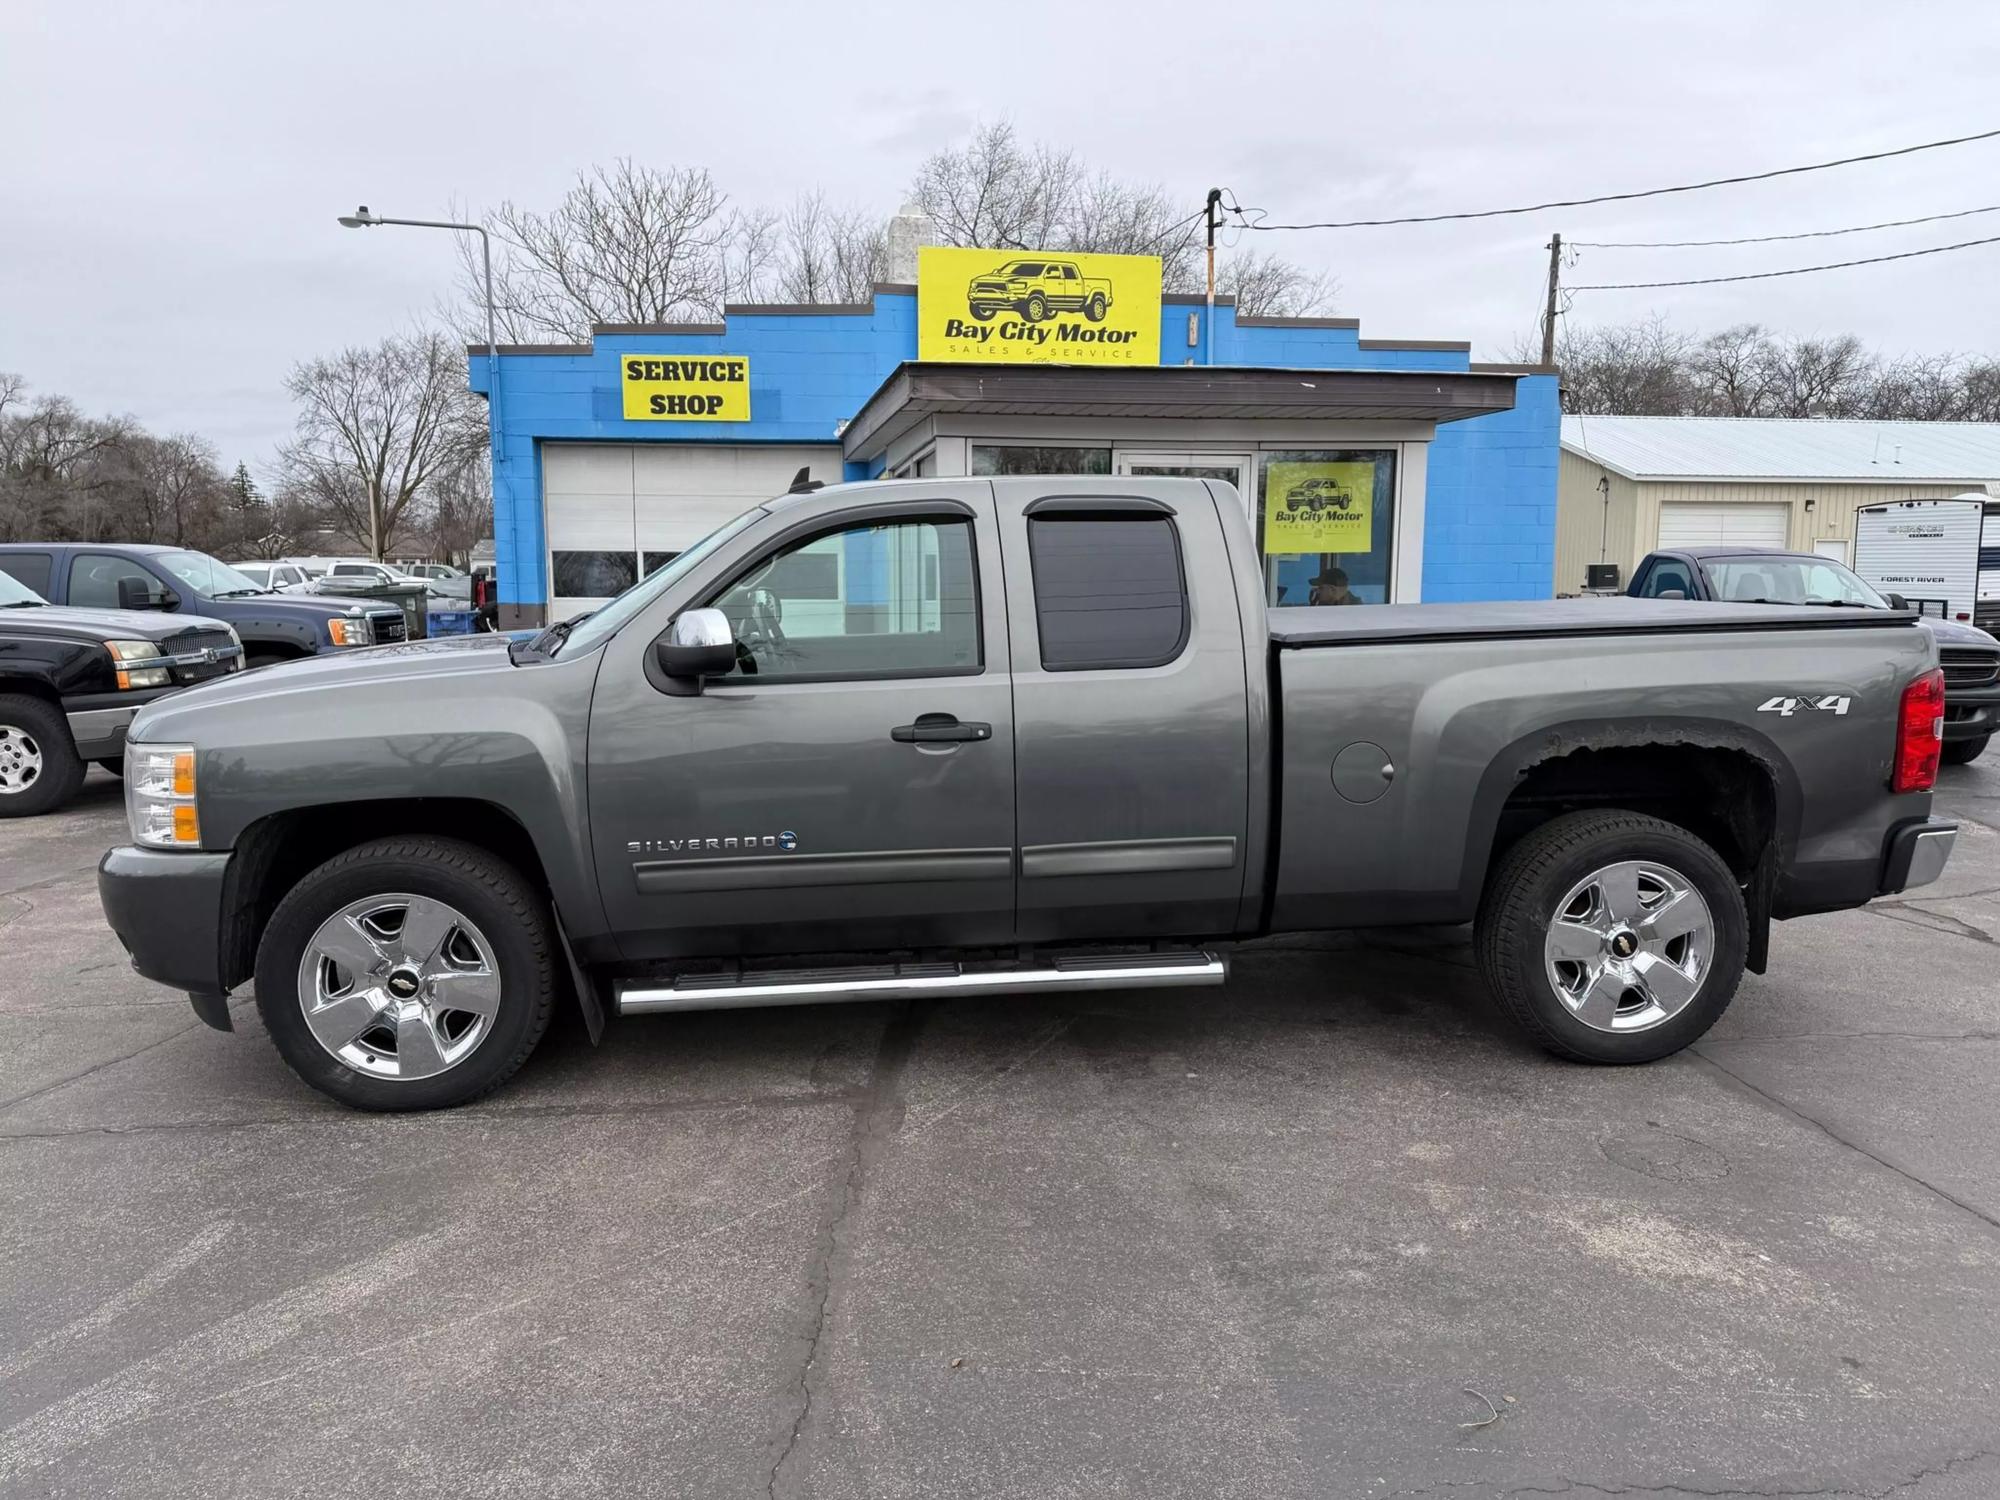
(1519, 907)
(1965, 752)
(1036, 308)
(983, 314)
(44, 734)
(1096, 307)
(489, 892)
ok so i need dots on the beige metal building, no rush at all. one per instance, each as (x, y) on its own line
(1630, 484)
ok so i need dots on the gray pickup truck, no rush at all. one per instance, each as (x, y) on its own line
(1000, 736)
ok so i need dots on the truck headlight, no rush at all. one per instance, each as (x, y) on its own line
(128, 657)
(159, 796)
(351, 630)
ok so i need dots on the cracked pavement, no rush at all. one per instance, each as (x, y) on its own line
(1293, 1238)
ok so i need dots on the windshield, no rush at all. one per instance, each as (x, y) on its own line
(1789, 580)
(595, 628)
(14, 592)
(205, 575)
(1023, 268)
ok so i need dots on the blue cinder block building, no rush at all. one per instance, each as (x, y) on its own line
(1455, 462)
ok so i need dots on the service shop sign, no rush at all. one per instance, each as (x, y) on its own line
(1025, 307)
(1319, 508)
(685, 387)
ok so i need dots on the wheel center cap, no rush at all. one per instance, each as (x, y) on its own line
(403, 984)
(1624, 943)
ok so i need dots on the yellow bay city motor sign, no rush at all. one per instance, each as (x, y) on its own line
(1022, 306)
(686, 387)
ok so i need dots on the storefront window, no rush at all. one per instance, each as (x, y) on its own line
(1326, 519)
(990, 459)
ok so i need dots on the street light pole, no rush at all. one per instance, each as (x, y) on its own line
(361, 218)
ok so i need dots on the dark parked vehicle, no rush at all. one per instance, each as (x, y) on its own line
(973, 736)
(1970, 656)
(272, 626)
(72, 679)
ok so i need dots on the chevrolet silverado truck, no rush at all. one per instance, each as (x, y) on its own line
(967, 736)
(273, 627)
(72, 680)
(1969, 656)
(1038, 289)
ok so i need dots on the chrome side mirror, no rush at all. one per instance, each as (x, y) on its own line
(699, 644)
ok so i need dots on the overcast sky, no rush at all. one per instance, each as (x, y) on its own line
(172, 171)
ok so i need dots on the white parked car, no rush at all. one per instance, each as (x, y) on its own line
(284, 577)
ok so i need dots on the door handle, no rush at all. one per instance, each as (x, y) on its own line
(937, 729)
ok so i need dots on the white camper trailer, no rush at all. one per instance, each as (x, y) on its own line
(1942, 556)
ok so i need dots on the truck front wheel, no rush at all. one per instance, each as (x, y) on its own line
(408, 973)
(1611, 937)
(39, 767)
(1035, 308)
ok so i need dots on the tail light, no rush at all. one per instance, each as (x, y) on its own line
(479, 593)
(1919, 734)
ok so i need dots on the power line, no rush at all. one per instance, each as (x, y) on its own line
(1838, 265)
(1765, 239)
(1690, 187)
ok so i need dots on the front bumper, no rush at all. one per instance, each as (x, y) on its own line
(166, 907)
(1971, 713)
(1916, 852)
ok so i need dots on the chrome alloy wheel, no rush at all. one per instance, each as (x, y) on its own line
(399, 986)
(1629, 946)
(20, 760)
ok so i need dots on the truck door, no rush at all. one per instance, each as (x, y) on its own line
(1130, 709)
(849, 785)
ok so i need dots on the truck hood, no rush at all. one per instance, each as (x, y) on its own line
(311, 606)
(104, 624)
(1953, 633)
(374, 675)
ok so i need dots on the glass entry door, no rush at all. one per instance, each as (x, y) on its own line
(1231, 468)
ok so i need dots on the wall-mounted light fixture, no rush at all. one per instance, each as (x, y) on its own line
(1809, 506)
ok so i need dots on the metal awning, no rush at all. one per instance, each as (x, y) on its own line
(1186, 392)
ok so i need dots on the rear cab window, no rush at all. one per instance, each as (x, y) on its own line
(1110, 589)
(31, 569)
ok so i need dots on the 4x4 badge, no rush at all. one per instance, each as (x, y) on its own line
(1786, 707)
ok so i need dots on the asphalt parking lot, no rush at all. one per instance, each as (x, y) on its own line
(1329, 1232)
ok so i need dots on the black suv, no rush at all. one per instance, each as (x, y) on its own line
(273, 627)
(72, 679)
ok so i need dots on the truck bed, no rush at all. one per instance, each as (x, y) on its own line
(1325, 625)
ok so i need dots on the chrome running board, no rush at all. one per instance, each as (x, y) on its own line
(901, 981)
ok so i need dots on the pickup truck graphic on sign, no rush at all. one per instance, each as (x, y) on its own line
(1039, 289)
(1318, 494)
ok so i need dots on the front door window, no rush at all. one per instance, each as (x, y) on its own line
(1326, 525)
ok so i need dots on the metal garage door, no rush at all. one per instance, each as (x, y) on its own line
(616, 511)
(1688, 525)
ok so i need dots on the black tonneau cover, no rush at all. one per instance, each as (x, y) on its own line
(1326, 625)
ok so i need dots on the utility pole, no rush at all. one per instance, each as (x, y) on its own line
(1208, 327)
(1555, 286)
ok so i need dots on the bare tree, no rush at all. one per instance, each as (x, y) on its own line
(829, 254)
(627, 244)
(1733, 371)
(1269, 286)
(996, 192)
(181, 485)
(375, 427)
(1635, 368)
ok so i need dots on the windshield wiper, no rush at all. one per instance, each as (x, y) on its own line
(24, 604)
(236, 593)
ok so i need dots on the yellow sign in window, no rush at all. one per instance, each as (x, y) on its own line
(1326, 507)
(1031, 307)
(686, 387)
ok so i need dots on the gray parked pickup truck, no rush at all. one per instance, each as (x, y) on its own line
(1000, 736)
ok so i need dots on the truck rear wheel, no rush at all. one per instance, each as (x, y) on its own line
(39, 767)
(1096, 307)
(408, 973)
(1611, 937)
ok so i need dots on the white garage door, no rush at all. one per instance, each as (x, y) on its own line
(1688, 525)
(616, 511)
